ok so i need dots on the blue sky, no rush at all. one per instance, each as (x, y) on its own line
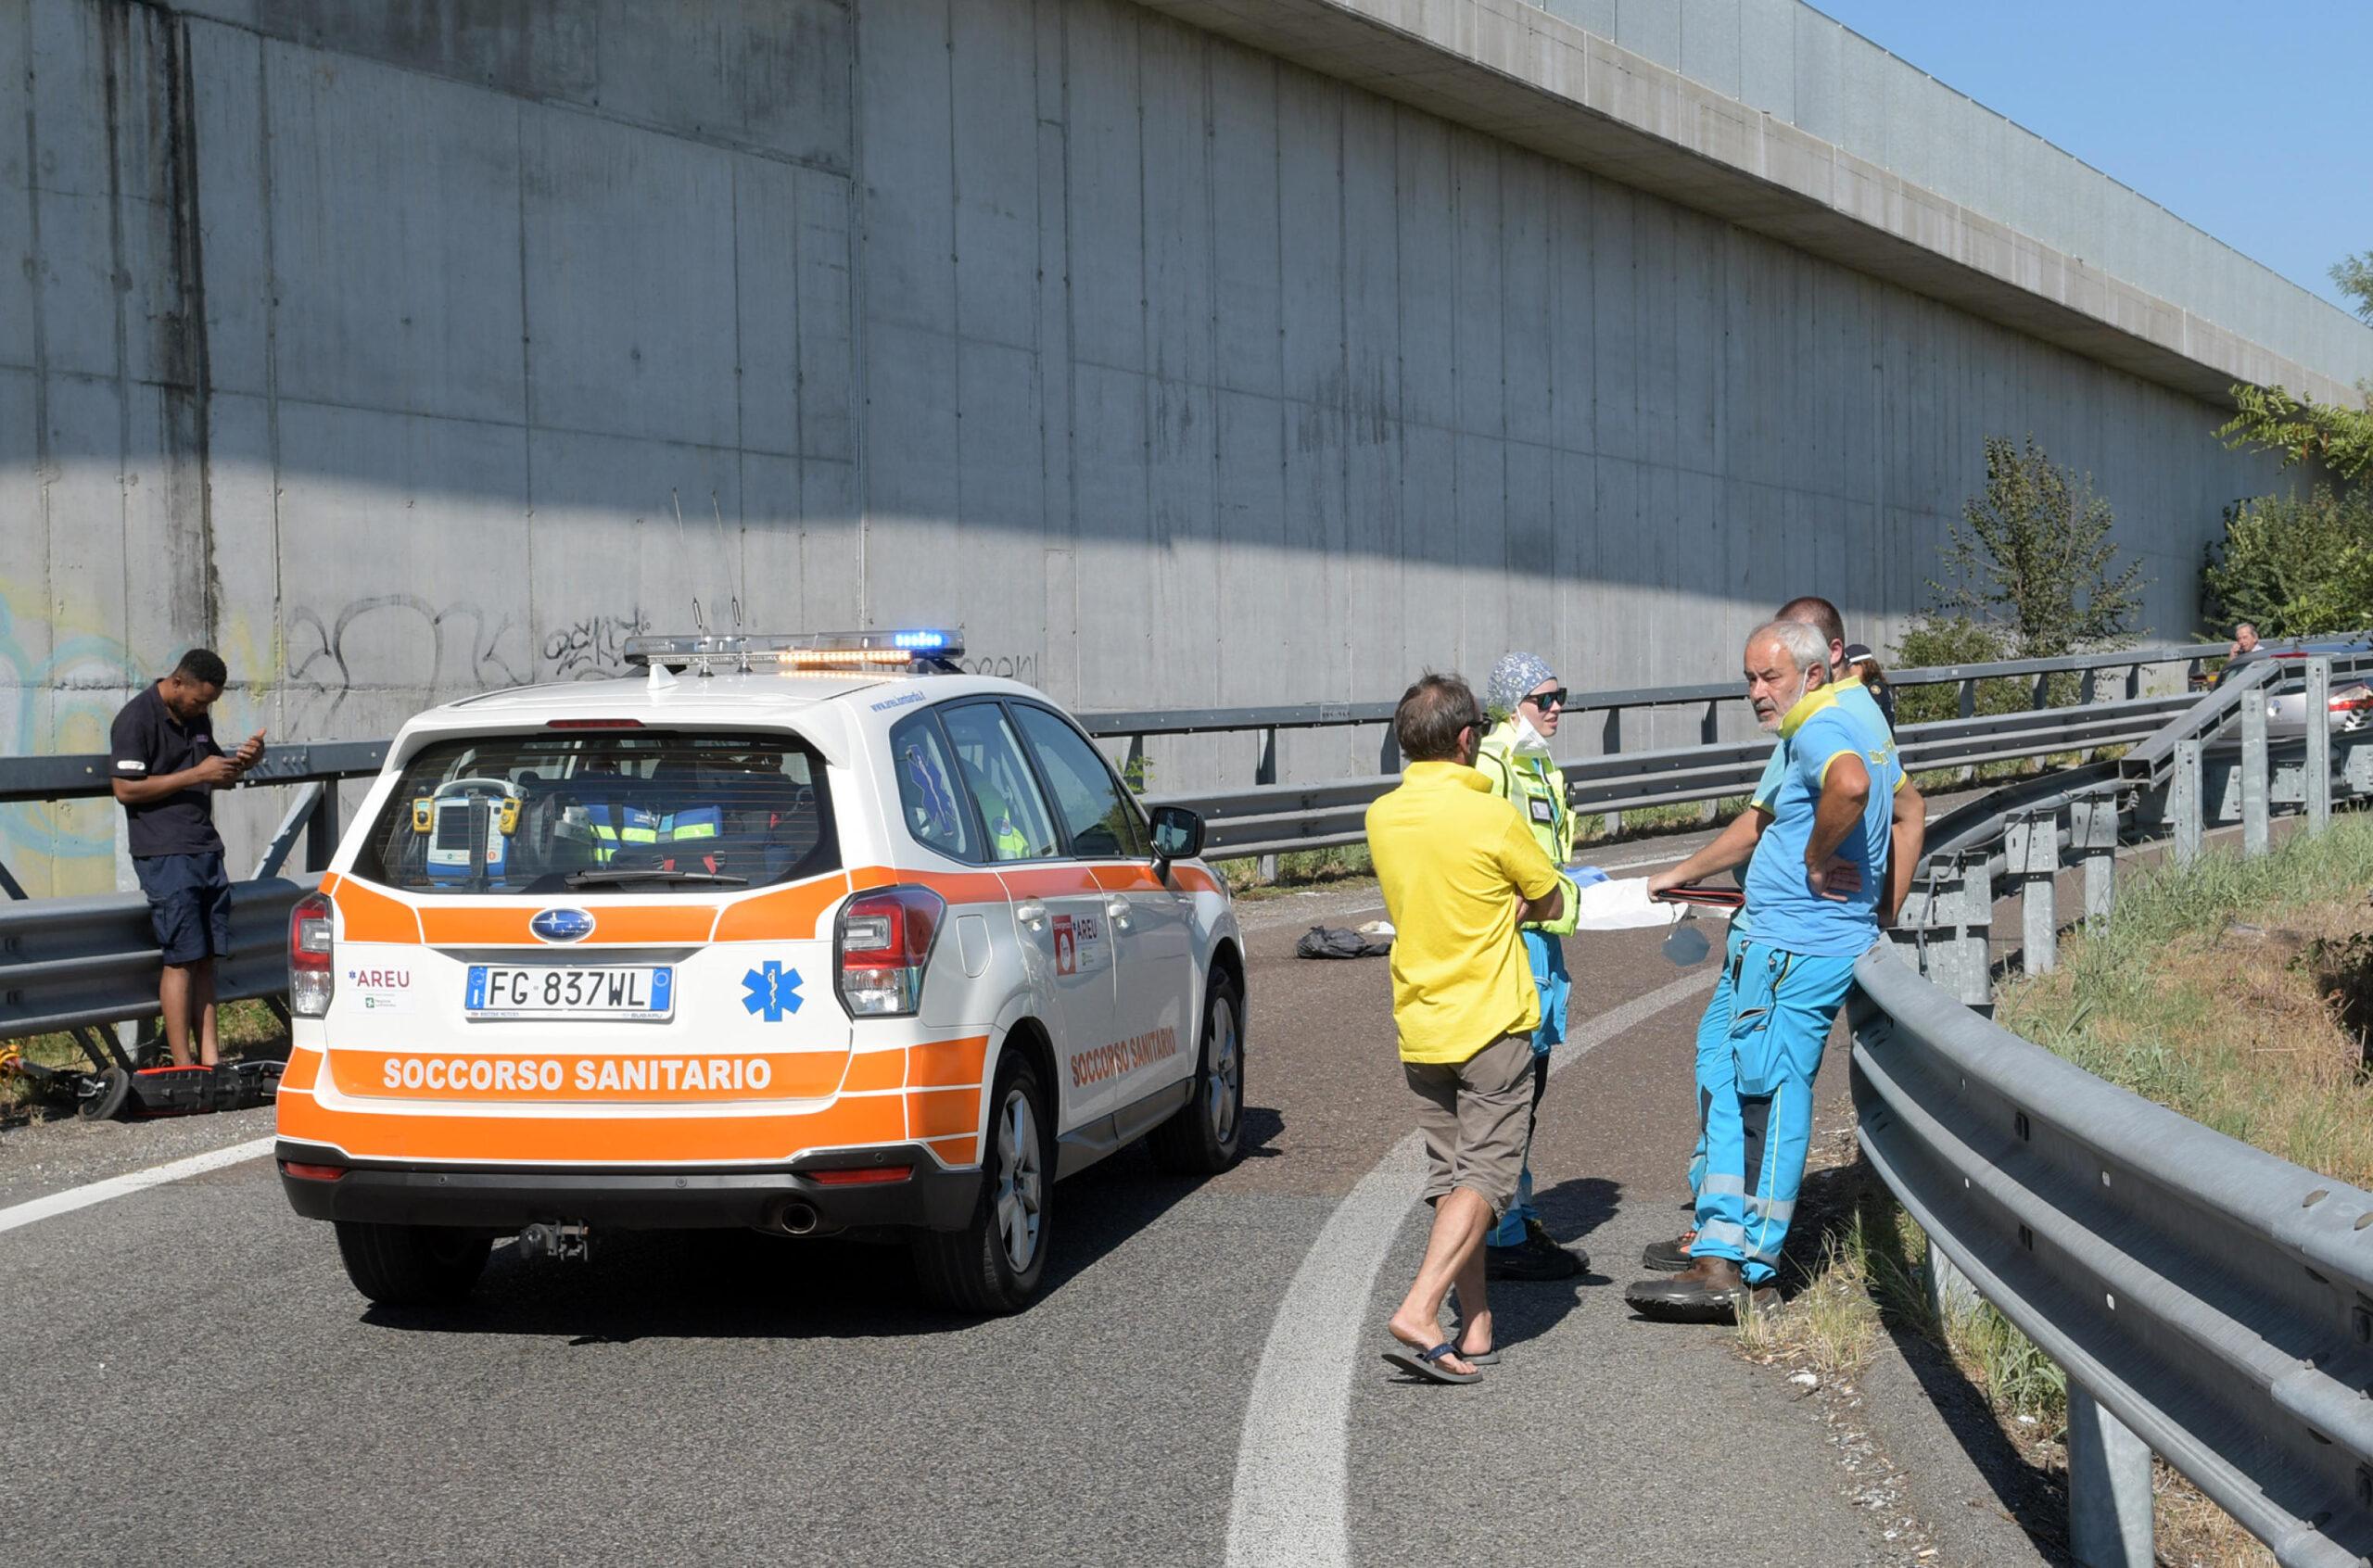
(2246, 121)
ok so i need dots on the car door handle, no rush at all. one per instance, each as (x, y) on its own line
(1030, 912)
(1117, 911)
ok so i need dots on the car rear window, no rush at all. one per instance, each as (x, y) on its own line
(638, 810)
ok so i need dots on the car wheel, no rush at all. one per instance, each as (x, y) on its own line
(995, 1262)
(411, 1265)
(1206, 1135)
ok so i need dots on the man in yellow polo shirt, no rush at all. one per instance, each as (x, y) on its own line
(1460, 872)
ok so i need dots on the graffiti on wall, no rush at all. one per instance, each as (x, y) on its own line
(590, 649)
(1023, 667)
(403, 642)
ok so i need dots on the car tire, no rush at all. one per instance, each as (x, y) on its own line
(995, 1264)
(1207, 1134)
(411, 1265)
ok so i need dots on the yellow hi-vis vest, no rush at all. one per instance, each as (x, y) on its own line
(1537, 789)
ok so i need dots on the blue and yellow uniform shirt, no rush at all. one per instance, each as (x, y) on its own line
(1783, 912)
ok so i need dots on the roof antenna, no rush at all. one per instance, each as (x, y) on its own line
(733, 597)
(700, 623)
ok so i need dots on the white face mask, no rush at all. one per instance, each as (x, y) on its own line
(1530, 741)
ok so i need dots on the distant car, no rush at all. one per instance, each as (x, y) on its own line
(2351, 704)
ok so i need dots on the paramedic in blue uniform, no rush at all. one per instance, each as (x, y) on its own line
(1728, 851)
(165, 766)
(1828, 867)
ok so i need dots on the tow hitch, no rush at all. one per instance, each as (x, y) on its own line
(556, 1241)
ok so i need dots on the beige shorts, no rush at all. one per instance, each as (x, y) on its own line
(1473, 1117)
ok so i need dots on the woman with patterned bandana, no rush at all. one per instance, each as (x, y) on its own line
(1524, 701)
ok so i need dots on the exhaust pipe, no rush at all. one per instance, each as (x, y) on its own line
(797, 1218)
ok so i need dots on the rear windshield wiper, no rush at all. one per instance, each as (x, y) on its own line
(653, 874)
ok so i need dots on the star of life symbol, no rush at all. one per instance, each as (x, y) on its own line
(772, 990)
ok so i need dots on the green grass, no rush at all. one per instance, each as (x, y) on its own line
(2233, 991)
(1297, 869)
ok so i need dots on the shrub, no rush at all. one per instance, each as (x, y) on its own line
(2292, 565)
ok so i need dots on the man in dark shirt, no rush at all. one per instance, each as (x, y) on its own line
(165, 767)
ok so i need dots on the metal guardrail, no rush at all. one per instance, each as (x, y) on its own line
(2210, 1298)
(1274, 818)
(97, 965)
(73, 962)
(2210, 1302)
(84, 776)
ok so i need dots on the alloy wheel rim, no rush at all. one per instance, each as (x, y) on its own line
(1021, 1182)
(1227, 1075)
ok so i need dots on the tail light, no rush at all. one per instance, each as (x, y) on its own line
(886, 939)
(311, 981)
(2354, 700)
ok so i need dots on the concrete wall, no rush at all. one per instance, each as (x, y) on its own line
(1788, 60)
(379, 347)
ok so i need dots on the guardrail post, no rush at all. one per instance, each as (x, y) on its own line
(2109, 1488)
(1950, 1293)
(2043, 692)
(2034, 854)
(321, 832)
(1709, 731)
(1969, 697)
(2084, 688)
(2253, 774)
(1614, 743)
(2093, 835)
(2133, 681)
(2183, 802)
(1264, 771)
(1959, 962)
(2319, 756)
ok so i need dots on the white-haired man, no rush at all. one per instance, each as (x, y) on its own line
(1830, 863)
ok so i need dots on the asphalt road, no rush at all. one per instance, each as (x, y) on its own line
(193, 1381)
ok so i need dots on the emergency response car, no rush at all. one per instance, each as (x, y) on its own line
(811, 934)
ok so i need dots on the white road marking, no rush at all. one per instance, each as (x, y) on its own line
(1288, 1509)
(36, 1209)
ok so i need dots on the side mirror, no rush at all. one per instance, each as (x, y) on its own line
(1177, 834)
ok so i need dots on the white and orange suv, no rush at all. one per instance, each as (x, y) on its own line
(810, 934)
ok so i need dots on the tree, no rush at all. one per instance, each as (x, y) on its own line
(2354, 274)
(2032, 556)
(2292, 565)
(2301, 429)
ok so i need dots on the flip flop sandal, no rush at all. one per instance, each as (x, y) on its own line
(1480, 1358)
(1428, 1364)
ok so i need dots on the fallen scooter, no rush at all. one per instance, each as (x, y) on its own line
(115, 1086)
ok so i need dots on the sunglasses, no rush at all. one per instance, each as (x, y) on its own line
(1545, 700)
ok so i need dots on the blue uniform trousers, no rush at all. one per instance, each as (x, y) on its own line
(1714, 1051)
(1547, 955)
(1759, 1101)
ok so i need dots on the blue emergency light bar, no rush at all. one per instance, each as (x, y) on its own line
(848, 652)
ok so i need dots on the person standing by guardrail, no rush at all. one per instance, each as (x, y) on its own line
(1863, 665)
(164, 766)
(1817, 889)
(1729, 850)
(1524, 702)
(1459, 873)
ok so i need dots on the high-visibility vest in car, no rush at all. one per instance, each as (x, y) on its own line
(620, 826)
